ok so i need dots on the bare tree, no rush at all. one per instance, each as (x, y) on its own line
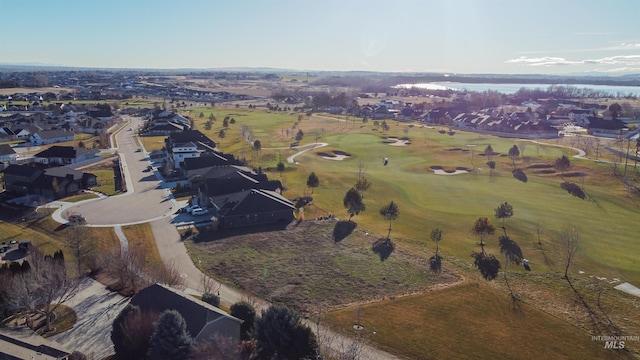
(569, 245)
(43, 288)
(79, 243)
(363, 184)
(166, 273)
(335, 346)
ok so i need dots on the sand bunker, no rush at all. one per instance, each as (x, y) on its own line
(335, 155)
(394, 141)
(439, 170)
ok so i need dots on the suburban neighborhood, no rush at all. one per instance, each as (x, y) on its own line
(191, 171)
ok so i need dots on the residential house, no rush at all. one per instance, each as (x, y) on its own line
(51, 183)
(164, 122)
(203, 320)
(160, 128)
(22, 133)
(183, 151)
(59, 182)
(23, 343)
(191, 165)
(6, 132)
(187, 144)
(579, 116)
(50, 137)
(252, 207)
(65, 155)
(613, 128)
(102, 114)
(230, 179)
(7, 154)
(19, 179)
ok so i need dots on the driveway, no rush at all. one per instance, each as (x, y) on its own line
(96, 307)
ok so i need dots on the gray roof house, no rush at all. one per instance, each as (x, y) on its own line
(203, 320)
(252, 207)
(50, 137)
(7, 154)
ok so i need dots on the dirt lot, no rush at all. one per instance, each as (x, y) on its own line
(305, 268)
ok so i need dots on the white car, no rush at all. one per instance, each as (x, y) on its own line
(199, 212)
(190, 209)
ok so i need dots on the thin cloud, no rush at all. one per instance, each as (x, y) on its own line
(542, 61)
(624, 46)
(594, 33)
(547, 61)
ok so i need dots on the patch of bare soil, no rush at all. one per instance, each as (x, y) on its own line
(305, 268)
(540, 166)
(573, 174)
(544, 172)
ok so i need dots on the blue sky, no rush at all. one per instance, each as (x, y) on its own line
(454, 36)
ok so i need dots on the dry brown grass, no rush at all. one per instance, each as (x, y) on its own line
(468, 321)
(141, 237)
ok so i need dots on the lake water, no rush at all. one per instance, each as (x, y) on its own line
(512, 88)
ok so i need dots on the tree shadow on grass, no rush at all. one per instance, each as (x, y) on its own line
(383, 247)
(343, 229)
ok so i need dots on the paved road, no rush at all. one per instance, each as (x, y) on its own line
(145, 199)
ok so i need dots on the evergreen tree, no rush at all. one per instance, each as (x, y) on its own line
(280, 334)
(353, 202)
(313, 181)
(247, 313)
(170, 339)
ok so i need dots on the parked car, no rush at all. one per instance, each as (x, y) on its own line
(138, 150)
(3, 249)
(199, 212)
(190, 209)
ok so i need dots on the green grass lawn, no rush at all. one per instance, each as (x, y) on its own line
(452, 203)
(152, 143)
(542, 210)
(469, 322)
(106, 183)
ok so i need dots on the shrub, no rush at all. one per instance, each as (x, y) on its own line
(211, 299)
(488, 265)
(574, 189)
(520, 175)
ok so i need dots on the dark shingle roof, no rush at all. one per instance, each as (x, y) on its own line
(52, 134)
(21, 170)
(196, 313)
(63, 171)
(58, 152)
(251, 202)
(6, 150)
